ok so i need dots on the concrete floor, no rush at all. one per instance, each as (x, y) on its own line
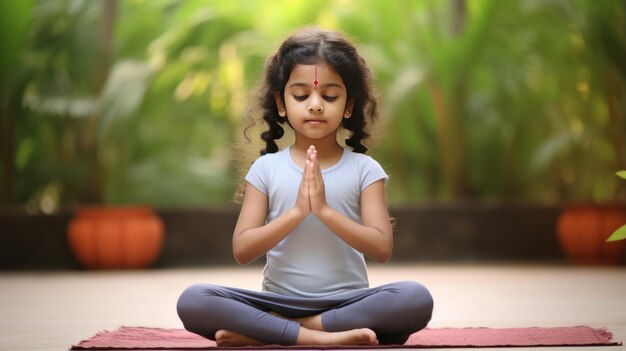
(52, 310)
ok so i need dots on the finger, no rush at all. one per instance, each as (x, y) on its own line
(317, 171)
(313, 160)
(304, 186)
(315, 174)
(307, 173)
(307, 167)
(310, 150)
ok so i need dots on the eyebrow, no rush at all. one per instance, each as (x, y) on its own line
(307, 85)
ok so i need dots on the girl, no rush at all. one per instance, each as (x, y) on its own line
(314, 209)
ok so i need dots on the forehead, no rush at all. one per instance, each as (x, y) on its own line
(324, 73)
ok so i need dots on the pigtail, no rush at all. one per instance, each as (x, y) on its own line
(274, 132)
(355, 125)
(358, 79)
(275, 79)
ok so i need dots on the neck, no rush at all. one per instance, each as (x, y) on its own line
(328, 149)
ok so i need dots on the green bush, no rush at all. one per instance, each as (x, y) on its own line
(134, 101)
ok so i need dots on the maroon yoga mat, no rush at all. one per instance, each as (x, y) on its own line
(140, 338)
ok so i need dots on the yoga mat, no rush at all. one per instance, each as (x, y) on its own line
(140, 338)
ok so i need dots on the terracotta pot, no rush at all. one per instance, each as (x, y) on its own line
(583, 230)
(116, 237)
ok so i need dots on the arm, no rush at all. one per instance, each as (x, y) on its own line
(374, 238)
(252, 237)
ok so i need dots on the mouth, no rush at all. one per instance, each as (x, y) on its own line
(314, 121)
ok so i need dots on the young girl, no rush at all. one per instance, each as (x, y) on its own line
(314, 209)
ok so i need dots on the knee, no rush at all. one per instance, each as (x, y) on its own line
(188, 301)
(418, 301)
(193, 304)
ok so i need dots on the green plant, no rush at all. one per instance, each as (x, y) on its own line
(125, 102)
(518, 100)
(14, 19)
(620, 233)
(76, 98)
(497, 101)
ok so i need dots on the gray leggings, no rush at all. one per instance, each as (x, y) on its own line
(393, 311)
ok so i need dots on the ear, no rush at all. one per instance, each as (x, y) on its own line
(347, 113)
(280, 104)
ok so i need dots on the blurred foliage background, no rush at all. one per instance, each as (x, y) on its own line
(136, 101)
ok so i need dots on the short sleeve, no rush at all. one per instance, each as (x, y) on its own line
(257, 175)
(372, 172)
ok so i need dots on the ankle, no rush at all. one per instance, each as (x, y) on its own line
(312, 322)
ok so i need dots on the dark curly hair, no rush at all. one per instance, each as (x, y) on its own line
(309, 46)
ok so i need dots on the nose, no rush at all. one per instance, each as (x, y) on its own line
(316, 105)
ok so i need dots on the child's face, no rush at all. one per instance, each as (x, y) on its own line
(315, 101)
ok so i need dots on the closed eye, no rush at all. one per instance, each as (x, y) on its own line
(304, 97)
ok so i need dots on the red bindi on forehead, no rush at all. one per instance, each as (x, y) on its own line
(315, 81)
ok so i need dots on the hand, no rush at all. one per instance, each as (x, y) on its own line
(317, 191)
(303, 203)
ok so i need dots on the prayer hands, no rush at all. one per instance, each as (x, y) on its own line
(312, 194)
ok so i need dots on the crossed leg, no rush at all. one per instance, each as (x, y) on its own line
(305, 337)
(311, 333)
(385, 315)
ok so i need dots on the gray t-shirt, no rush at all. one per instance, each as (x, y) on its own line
(312, 261)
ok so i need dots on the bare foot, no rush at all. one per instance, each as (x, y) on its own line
(312, 333)
(228, 338)
(305, 337)
(362, 336)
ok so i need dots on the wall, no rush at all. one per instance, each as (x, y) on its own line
(201, 237)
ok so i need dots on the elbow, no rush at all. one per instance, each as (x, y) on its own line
(244, 254)
(241, 257)
(383, 254)
(241, 261)
(382, 257)
(244, 251)
(241, 253)
(384, 248)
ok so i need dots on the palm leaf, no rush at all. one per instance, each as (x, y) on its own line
(619, 234)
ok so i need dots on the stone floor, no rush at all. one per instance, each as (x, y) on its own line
(52, 310)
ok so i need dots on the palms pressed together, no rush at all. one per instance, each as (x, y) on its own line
(311, 196)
